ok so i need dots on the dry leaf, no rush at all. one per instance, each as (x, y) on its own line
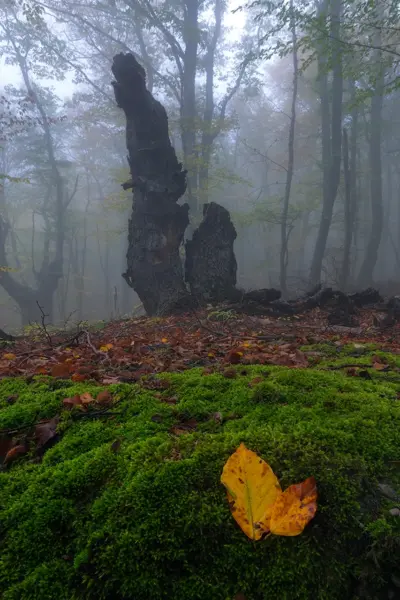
(9, 356)
(106, 347)
(294, 508)
(252, 490)
(46, 432)
(103, 397)
(71, 402)
(86, 398)
(15, 453)
(60, 370)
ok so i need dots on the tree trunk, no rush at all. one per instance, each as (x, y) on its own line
(158, 223)
(331, 134)
(188, 111)
(348, 214)
(289, 173)
(365, 275)
(354, 167)
(210, 261)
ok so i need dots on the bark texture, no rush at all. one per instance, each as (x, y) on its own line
(210, 259)
(158, 223)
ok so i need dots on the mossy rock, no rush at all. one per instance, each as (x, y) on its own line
(148, 519)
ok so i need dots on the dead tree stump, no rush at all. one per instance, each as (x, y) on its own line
(210, 259)
(158, 223)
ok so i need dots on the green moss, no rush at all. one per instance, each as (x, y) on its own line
(151, 520)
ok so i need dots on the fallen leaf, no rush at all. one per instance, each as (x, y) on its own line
(294, 508)
(78, 377)
(106, 347)
(86, 398)
(9, 356)
(73, 401)
(252, 489)
(15, 453)
(60, 370)
(46, 432)
(184, 427)
(234, 357)
(103, 397)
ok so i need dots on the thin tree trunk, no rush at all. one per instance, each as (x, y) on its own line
(188, 111)
(289, 173)
(331, 134)
(365, 275)
(348, 214)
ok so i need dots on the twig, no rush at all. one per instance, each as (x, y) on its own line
(44, 327)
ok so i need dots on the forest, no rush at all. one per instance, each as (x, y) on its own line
(199, 300)
(283, 115)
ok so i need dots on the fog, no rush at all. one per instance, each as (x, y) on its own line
(285, 114)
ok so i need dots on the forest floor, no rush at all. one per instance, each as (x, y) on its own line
(113, 438)
(128, 349)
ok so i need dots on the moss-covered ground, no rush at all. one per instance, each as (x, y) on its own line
(128, 505)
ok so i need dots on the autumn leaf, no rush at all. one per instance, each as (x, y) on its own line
(252, 490)
(15, 453)
(78, 377)
(60, 370)
(294, 508)
(71, 402)
(9, 356)
(86, 398)
(46, 433)
(103, 397)
(106, 347)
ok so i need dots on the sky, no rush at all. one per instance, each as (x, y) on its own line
(10, 74)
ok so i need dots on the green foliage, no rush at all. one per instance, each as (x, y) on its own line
(150, 519)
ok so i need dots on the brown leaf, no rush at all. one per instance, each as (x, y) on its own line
(86, 398)
(78, 377)
(73, 401)
(184, 427)
(46, 432)
(229, 373)
(15, 453)
(60, 370)
(234, 357)
(103, 397)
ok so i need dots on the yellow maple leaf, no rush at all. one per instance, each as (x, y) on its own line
(252, 489)
(294, 508)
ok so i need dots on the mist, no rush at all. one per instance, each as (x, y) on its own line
(286, 116)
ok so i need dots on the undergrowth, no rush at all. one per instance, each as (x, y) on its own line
(124, 508)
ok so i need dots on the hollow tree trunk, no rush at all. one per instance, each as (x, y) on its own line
(158, 223)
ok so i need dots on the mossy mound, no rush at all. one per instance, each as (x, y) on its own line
(147, 518)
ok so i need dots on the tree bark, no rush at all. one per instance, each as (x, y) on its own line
(210, 260)
(158, 223)
(365, 275)
(348, 214)
(289, 173)
(331, 134)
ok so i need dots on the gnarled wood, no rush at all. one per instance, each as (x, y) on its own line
(210, 259)
(158, 223)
